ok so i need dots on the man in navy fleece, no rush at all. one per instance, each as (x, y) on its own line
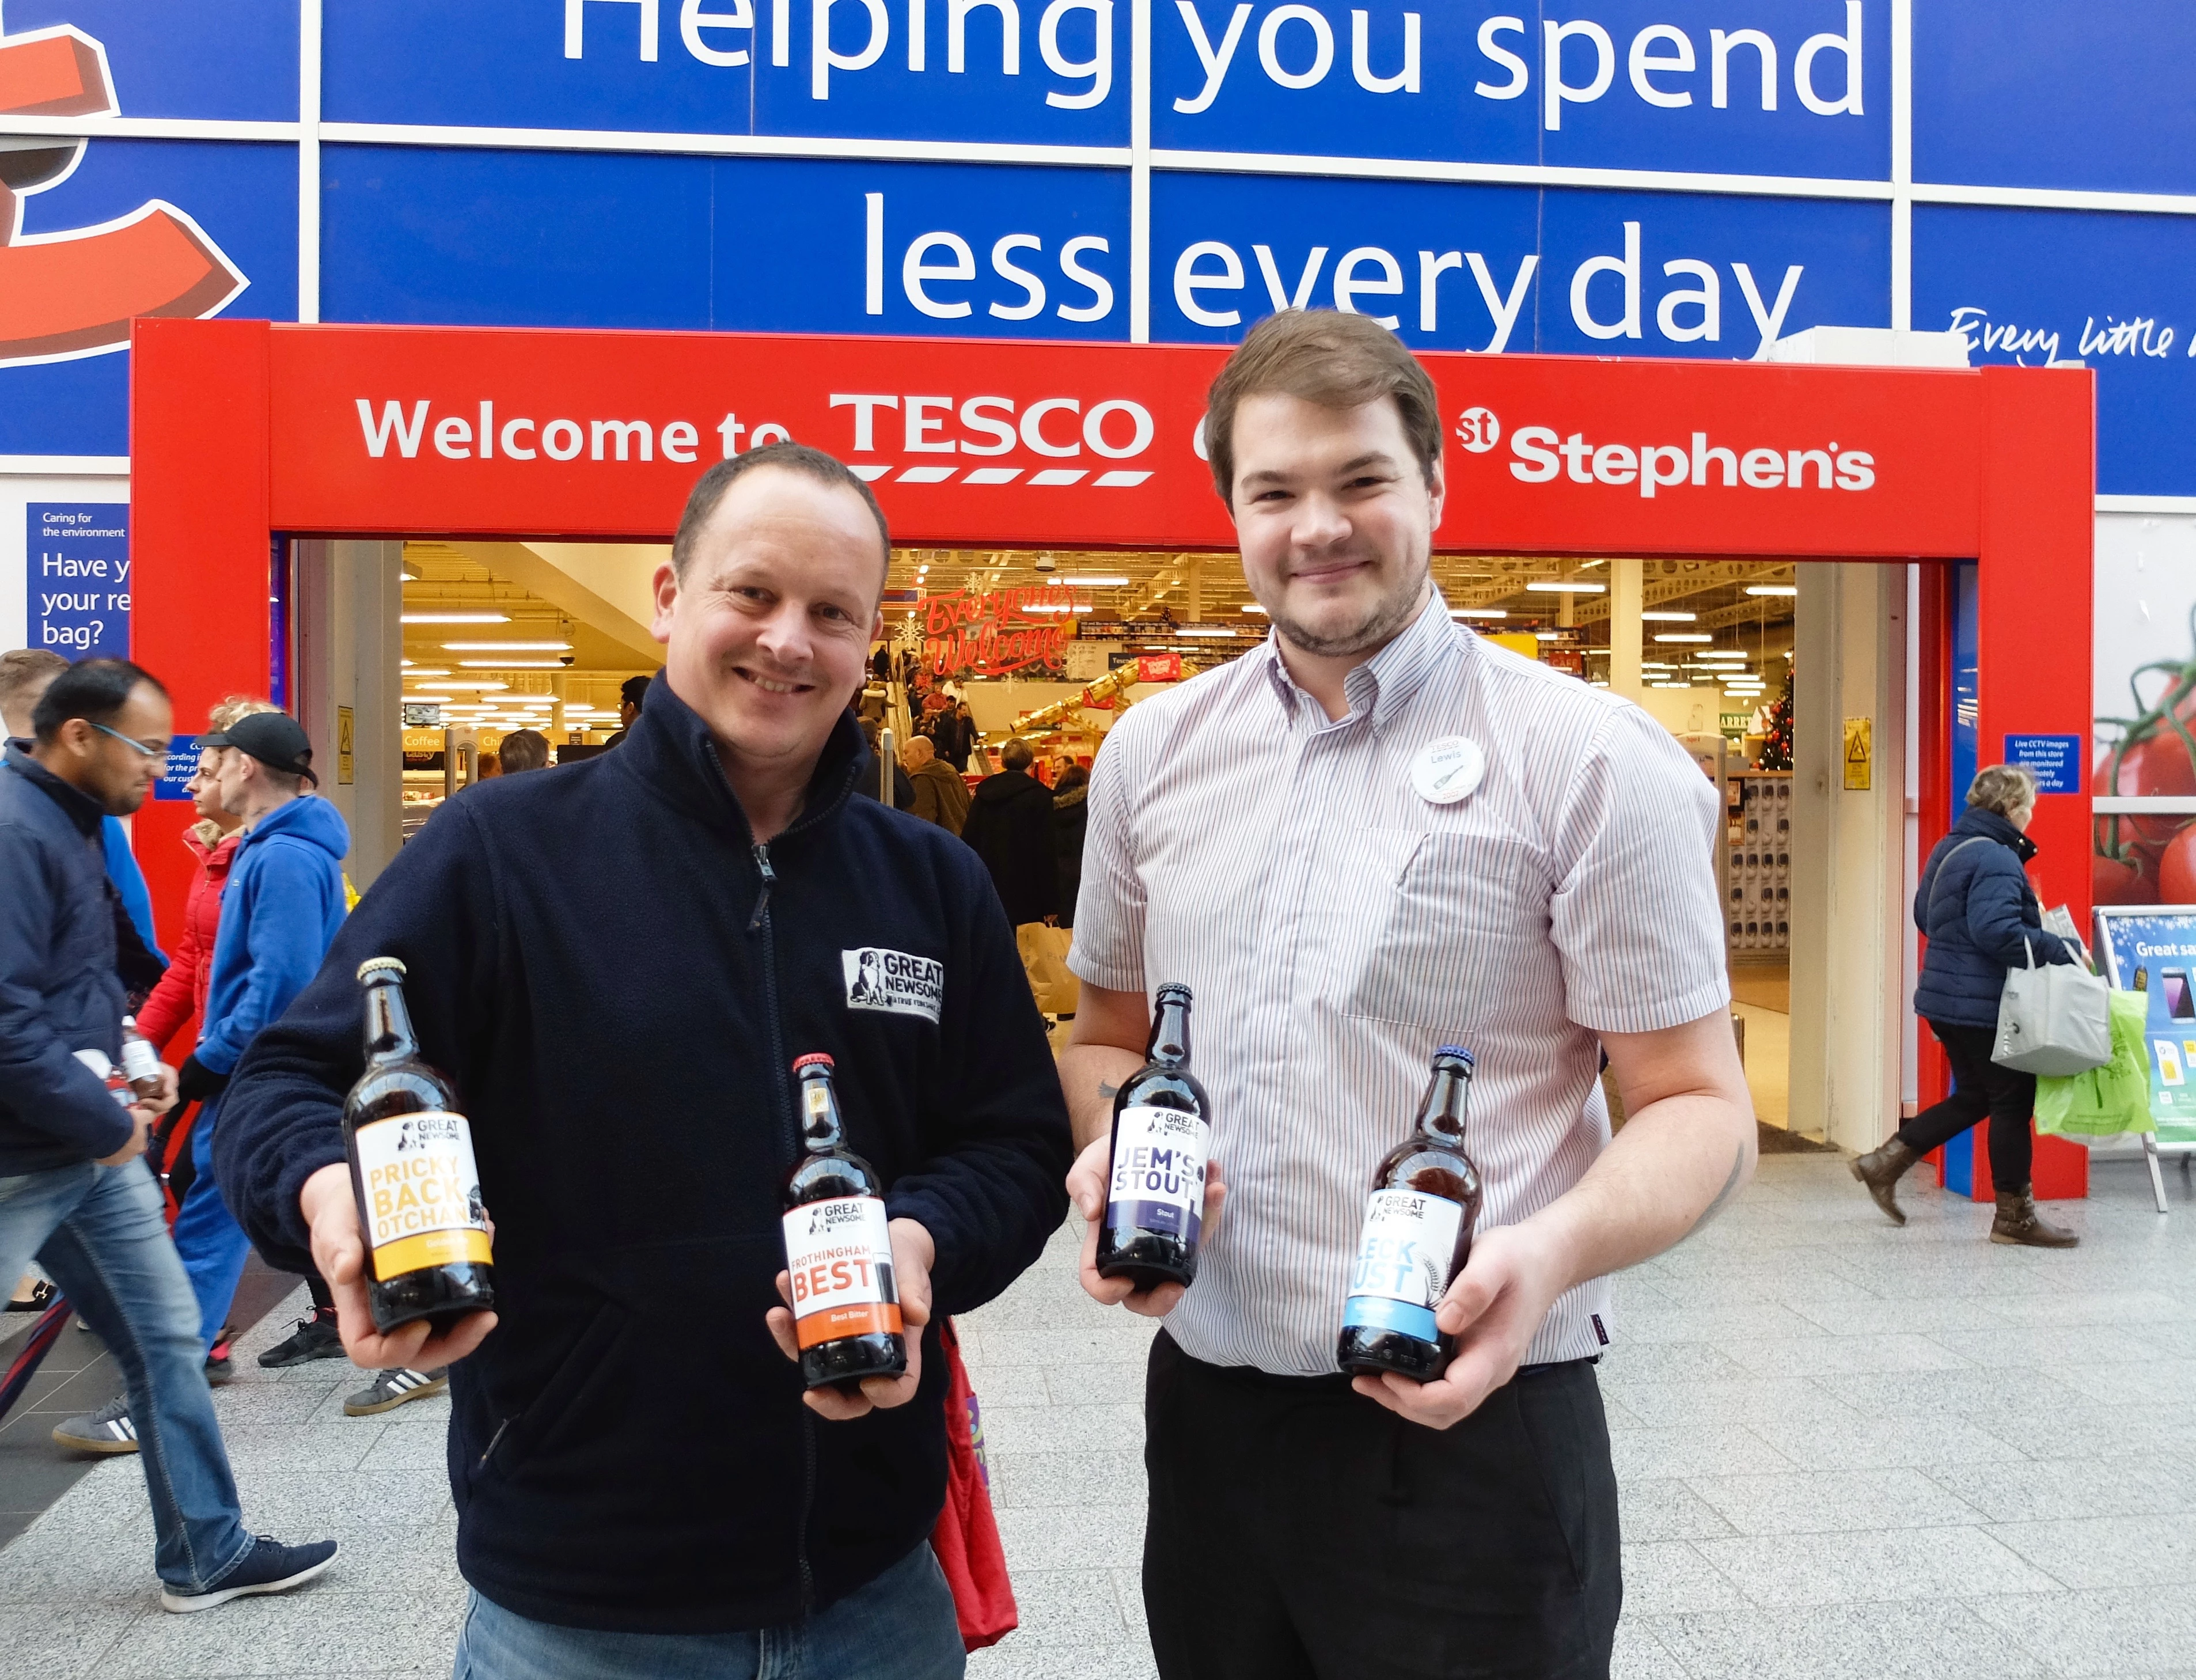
(643, 1487)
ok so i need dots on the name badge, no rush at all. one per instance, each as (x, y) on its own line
(1447, 769)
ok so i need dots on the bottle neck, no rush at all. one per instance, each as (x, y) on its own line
(387, 1023)
(1447, 1096)
(820, 1125)
(1170, 1045)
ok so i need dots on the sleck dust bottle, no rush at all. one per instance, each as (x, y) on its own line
(1155, 1180)
(412, 1168)
(838, 1250)
(1416, 1236)
(141, 1062)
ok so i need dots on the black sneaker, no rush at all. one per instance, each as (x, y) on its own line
(220, 1367)
(392, 1388)
(315, 1338)
(107, 1430)
(269, 1567)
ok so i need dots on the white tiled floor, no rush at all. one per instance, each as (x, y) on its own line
(1848, 1451)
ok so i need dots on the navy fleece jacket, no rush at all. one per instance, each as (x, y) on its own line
(1981, 917)
(617, 980)
(281, 907)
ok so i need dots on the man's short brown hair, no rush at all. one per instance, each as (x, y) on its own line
(710, 490)
(1333, 360)
(22, 669)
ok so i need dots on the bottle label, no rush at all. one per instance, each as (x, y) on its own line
(1159, 1172)
(423, 1199)
(140, 1060)
(838, 1255)
(1404, 1257)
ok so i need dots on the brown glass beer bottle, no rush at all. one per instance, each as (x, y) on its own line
(412, 1168)
(1155, 1177)
(838, 1249)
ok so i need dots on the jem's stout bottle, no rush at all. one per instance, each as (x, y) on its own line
(838, 1250)
(1155, 1184)
(1417, 1234)
(412, 1168)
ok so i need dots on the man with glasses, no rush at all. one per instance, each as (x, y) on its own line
(70, 1193)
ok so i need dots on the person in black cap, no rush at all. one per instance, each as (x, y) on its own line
(631, 692)
(281, 907)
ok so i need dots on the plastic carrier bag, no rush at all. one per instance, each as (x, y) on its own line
(2109, 1101)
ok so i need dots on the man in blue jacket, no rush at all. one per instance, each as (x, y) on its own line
(616, 962)
(71, 1191)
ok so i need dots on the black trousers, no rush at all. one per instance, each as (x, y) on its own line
(1300, 1531)
(1979, 1087)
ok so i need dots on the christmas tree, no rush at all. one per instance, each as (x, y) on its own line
(1776, 746)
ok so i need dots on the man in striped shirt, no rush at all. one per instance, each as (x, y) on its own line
(1273, 835)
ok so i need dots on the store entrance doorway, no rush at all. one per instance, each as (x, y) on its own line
(254, 440)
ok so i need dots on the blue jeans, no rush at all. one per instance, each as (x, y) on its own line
(212, 1245)
(101, 1234)
(900, 1626)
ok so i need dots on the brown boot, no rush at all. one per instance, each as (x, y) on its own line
(2018, 1221)
(1881, 1169)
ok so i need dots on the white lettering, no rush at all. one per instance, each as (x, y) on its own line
(1720, 47)
(567, 429)
(1520, 73)
(1626, 269)
(1347, 285)
(1032, 287)
(1771, 320)
(1847, 45)
(1707, 298)
(1215, 63)
(1536, 463)
(865, 407)
(956, 35)
(693, 20)
(1643, 64)
(1188, 281)
(1102, 289)
(1098, 66)
(453, 439)
(680, 442)
(1651, 477)
(511, 447)
(392, 422)
(1283, 298)
(822, 61)
(573, 45)
(873, 253)
(914, 271)
(625, 430)
(1093, 429)
(1555, 92)
(1033, 426)
(975, 415)
(921, 428)
(1505, 310)
(1405, 80)
(1431, 268)
(1322, 54)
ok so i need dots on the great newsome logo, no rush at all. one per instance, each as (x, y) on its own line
(893, 983)
(1541, 454)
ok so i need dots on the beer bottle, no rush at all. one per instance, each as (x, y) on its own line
(141, 1062)
(838, 1250)
(1416, 1236)
(1155, 1180)
(412, 1168)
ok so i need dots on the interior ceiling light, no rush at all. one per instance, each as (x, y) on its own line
(506, 647)
(1253, 607)
(1669, 685)
(1668, 618)
(511, 665)
(456, 618)
(1551, 586)
(1685, 636)
(467, 683)
(1772, 589)
(1090, 581)
(1477, 612)
(1548, 635)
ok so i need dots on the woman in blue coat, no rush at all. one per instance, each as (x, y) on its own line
(1981, 918)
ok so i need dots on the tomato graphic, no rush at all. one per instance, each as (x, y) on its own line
(2134, 881)
(2157, 764)
(2176, 869)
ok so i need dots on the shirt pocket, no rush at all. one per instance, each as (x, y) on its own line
(1439, 924)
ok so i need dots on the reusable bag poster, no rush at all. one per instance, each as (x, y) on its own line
(2156, 956)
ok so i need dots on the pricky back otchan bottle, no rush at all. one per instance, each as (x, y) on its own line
(1416, 1238)
(427, 1253)
(838, 1249)
(1155, 1176)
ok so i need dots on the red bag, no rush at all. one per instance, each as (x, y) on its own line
(966, 1536)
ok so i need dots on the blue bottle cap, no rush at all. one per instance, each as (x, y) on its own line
(1458, 1051)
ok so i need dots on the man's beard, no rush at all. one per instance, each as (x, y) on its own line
(1379, 627)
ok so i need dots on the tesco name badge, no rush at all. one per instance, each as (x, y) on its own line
(1447, 769)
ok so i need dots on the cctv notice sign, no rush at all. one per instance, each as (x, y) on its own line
(77, 579)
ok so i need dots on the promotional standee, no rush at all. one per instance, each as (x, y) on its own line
(2152, 950)
(245, 433)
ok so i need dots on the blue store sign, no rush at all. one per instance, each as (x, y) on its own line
(1678, 178)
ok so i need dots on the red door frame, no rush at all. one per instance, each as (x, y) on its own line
(243, 433)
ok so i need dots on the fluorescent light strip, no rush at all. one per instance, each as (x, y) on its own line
(1550, 586)
(1772, 589)
(1091, 582)
(1477, 612)
(455, 618)
(511, 665)
(506, 647)
(1668, 618)
(1685, 636)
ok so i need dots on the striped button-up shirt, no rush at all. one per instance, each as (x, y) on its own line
(1335, 926)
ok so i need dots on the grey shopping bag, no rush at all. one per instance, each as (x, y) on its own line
(2056, 1020)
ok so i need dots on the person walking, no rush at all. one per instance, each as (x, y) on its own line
(633, 695)
(1009, 827)
(1372, 834)
(643, 1487)
(72, 1193)
(954, 731)
(940, 794)
(1982, 919)
(1070, 821)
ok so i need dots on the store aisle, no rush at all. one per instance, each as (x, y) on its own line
(1846, 1450)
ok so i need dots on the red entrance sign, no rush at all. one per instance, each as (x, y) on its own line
(994, 632)
(242, 431)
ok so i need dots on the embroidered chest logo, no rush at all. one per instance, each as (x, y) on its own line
(892, 982)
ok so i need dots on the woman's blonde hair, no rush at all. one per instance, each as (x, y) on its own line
(2003, 788)
(227, 712)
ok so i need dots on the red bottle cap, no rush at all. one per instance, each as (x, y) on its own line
(817, 1058)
